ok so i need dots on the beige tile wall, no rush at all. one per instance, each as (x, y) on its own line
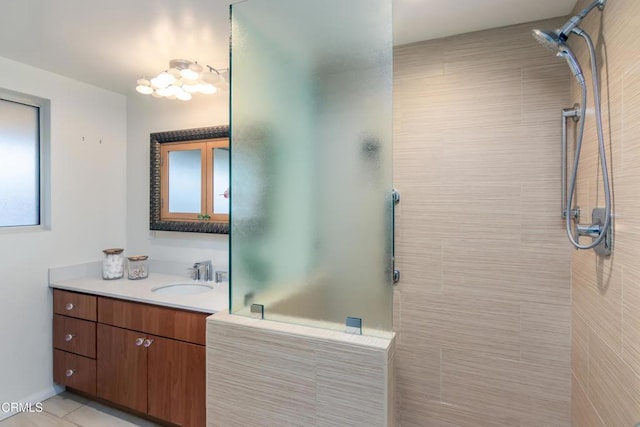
(606, 292)
(483, 308)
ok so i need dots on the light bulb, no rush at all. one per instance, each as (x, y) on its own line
(144, 86)
(175, 90)
(158, 83)
(189, 74)
(183, 96)
(164, 91)
(190, 88)
(166, 78)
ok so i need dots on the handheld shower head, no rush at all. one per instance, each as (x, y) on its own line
(567, 54)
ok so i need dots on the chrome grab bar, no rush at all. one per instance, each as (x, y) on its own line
(573, 112)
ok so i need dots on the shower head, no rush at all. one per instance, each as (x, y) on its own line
(551, 40)
(547, 38)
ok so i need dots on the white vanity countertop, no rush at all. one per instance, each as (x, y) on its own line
(87, 278)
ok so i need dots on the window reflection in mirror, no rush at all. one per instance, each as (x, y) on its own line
(185, 180)
(193, 198)
(195, 180)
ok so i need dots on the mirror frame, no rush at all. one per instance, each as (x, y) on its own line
(159, 138)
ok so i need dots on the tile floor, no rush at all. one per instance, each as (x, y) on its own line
(69, 410)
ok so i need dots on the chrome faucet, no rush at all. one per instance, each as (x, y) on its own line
(197, 271)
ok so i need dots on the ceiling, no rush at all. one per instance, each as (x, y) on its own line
(113, 42)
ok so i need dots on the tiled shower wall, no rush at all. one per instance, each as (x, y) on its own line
(606, 291)
(483, 310)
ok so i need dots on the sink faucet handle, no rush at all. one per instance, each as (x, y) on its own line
(219, 276)
(194, 272)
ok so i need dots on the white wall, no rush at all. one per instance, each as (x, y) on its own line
(88, 213)
(146, 115)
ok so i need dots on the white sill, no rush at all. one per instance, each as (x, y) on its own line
(24, 229)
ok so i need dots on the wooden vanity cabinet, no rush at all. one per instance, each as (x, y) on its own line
(147, 358)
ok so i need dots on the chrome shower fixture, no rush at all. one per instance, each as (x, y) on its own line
(555, 39)
(600, 229)
(574, 21)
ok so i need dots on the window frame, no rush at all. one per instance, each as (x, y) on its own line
(44, 158)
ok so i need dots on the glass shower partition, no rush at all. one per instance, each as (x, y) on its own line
(311, 155)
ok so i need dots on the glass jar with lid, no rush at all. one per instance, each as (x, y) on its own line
(138, 267)
(113, 264)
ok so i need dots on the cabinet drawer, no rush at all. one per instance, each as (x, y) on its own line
(74, 335)
(75, 305)
(166, 322)
(74, 371)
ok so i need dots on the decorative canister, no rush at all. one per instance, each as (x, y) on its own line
(113, 264)
(138, 267)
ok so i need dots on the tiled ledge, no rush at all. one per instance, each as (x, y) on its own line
(286, 374)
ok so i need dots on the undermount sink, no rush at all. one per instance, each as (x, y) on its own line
(182, 289)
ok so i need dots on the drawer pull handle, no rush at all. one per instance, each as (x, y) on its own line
(147, 343)
(69, 306)
(139, 341)
(68, 337)
(69, 372)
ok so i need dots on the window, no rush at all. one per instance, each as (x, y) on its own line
(195, 180)
(20, 160)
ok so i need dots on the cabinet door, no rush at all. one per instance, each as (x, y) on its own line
(177, 381)
(122, 367)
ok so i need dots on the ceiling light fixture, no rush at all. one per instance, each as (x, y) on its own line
(182, 80)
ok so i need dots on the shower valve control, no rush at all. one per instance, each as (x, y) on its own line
(592, 230)
(597, 228)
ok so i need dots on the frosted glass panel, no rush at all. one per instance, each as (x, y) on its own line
(19, 165)
(220, 181)
(311, 209)
(185, 183)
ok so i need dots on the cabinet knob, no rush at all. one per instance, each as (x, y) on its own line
(69, 372)
(147, 343)
(68, 337)
(139, 341)
(69, 306)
